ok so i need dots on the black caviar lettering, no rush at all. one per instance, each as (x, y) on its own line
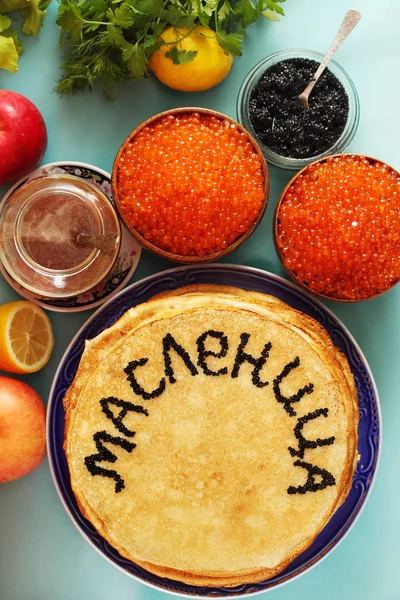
(168, 343)
(125, 408)
(137, 388)
(327, 479)
(307, 389)
(203, 353)
(258, 363)
(303, 442)
(105, 455)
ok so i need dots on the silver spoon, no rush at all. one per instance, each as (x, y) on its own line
(349, 22)
(104, 243)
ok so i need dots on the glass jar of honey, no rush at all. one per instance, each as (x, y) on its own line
(40, 225)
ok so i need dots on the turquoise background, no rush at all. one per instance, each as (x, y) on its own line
(42, 555)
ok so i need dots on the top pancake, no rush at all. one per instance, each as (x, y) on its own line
(203, 497)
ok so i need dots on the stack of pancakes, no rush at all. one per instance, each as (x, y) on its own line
(211, 433)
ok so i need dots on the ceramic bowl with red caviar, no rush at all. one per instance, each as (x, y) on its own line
(337, 227)
(191, 184)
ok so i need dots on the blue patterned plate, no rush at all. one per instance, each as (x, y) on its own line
(247, 278)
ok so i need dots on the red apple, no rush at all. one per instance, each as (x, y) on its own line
(22, 429)
(23, 136)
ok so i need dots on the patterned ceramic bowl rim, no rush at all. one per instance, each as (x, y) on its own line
(164, 253)
(370, 159)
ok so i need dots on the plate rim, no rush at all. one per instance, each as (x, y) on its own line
(291, 285)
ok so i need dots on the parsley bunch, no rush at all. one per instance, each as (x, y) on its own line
(111, 41)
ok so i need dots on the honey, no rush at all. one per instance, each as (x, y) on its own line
(190, 184)
(49, 230)
(338, 227)
(39, 227)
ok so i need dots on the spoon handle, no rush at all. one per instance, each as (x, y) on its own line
(105, 243)
(349, 22)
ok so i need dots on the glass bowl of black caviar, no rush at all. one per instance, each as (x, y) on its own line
(289, 135)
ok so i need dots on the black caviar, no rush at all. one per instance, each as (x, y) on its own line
(203, 353)
(311, 485)
(105, 455)
(302, 441)
(282, 123)
(258, 363)
(307, 389)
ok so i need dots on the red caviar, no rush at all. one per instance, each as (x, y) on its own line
(190, 184)
(338, 227)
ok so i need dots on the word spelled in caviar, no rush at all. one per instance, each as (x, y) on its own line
(338, 227)
(282, 123)
(190, 184)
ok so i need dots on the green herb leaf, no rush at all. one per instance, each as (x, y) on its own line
(152, 8)
(247, 12)
(174, 16)
(231, 43)
(137, 63)
(33, 18)
(43, 4)
(273, 5)
(71, 20)
(8, 54)
(115, 36)
(5, 23)
(180, 57)
(91, 46)
(33, 12)
(128, 51)
(111, 74)
(202, 11)
(70, 84)
(11, 5)
(270, 15)
(124, 16)
(10, 33)
(209, 6)
(94, 10)
(158, 27)
(224, 11)
(151, 42)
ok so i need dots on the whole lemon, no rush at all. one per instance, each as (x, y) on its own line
(208, 68)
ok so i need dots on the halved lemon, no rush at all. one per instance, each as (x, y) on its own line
(26, 337)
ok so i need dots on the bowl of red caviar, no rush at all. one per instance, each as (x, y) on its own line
(337, 227)
(191, 184)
